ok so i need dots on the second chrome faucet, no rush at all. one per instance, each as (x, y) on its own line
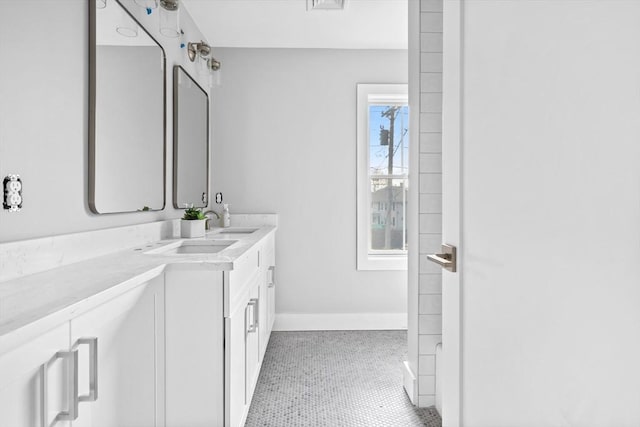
(207, 224)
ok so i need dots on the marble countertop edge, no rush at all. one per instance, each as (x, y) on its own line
(37, 302)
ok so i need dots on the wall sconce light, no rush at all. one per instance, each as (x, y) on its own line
(170, 18)
(214, 64)
(126, 26)
(202, 49)
(207, 64)
(214, 74)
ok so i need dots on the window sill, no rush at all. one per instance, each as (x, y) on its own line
(383, 262)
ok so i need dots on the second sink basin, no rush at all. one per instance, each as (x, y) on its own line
(194, 247)
(233, 232)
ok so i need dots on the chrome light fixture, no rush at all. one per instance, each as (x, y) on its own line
(195, 49)
(214, 74)
(207, 64)
(170, 18)
(125, 26)
(213, 64)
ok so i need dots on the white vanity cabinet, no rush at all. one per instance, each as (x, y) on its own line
(104, 367)
(180, 344)
(120, 360)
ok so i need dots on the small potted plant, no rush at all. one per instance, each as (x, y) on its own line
(192, 224)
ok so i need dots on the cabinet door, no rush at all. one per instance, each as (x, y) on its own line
(271, 299)
(194, 348)
(252, 349)
(263, 315)
(270, 264)
(125, 388)
(22, 377)
(235, 391)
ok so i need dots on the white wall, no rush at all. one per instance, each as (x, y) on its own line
(44, 116)
(551, 219)
(285, 142)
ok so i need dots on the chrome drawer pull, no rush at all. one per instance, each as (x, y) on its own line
(253, 304)
(272, 282)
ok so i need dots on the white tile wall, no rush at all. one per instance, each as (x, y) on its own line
(427, 365)
(430, 281)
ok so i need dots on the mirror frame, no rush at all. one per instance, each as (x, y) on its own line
(92, 110)
(176, 124)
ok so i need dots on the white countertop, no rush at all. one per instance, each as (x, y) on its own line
(58, 294)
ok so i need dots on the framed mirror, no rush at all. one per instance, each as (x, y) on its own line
(190, 141)
(127, 121)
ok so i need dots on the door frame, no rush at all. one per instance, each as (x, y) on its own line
(452, 139)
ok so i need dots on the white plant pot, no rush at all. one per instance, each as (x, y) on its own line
(192, 228)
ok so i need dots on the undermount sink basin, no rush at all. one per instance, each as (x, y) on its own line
(233, 232)
(193, 247)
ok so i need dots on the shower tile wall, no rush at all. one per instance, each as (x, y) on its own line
(430, 282)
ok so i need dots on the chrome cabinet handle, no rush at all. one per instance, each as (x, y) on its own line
(93, 368)
(253, 304)
(72, 413)
(447, 259)
(256, 311)
(272, 283)
(251, 323)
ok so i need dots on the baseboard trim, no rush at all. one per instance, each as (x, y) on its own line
(410, 382)
(339, 321)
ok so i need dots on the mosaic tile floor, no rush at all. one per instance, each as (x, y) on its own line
(335, 379)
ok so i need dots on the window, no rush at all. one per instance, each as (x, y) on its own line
(383, 167)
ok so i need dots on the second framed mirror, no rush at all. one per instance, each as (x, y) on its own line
(190, 141)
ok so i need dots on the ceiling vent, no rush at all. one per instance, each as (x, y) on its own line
(325, 4)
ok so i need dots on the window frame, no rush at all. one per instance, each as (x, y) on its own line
(372, 94)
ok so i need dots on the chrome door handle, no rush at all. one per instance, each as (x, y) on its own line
(447, 259)
(272, 283)
(93, 368)
(72, 413)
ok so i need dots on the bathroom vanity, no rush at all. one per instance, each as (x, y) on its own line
(166, 333)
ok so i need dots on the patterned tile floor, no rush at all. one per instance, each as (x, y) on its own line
(335, 379)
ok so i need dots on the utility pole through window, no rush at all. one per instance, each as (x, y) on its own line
(390, 114)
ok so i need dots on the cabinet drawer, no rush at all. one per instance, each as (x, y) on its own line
(245, 267)
(238, 280)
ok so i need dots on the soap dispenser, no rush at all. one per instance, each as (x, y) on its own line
(226, 218)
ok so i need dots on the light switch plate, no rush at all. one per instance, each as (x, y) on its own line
(12, 185)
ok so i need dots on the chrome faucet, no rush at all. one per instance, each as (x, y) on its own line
(206, 222)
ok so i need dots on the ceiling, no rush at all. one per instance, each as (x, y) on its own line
(363, 24)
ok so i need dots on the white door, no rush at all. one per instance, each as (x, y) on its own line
(128, 376)
(541, 163)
